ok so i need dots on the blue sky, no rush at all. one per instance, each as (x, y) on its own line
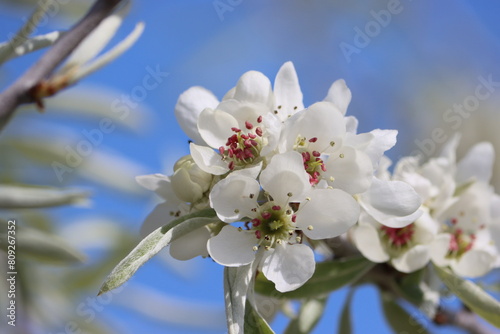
(423, 60)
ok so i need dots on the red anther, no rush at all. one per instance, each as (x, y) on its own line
(265, 215)
(258, 131)
(256, 222)
(244, 136)
(259, 119)
(316, 154)
(306, 166)
(222, 150)
(453, 243)
(248, 125)
(454, 221)
(294, 218)
(323, 168)
(231, 165)
(306, 156)
(252, 136)
(235, 129)
(276, 207)
(459, 231)
(258, 234)
(316, 175)
(247, 143)
(230, 152)
(473, 236)
(253, 142)
(313, 140)
(248, 153)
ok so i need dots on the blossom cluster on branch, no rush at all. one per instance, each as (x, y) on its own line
(281, 179)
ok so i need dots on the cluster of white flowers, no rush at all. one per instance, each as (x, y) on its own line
(460, 223)
(279, 175)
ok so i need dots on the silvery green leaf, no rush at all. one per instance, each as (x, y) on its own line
(38, 245)
(20, 197)
(309, 315)
(345, 323)
(236, 284)
(8, 51)
(254, 322)
(399, 319)
(21, 36)
(154, 243)
(472, 295)
(328, 276)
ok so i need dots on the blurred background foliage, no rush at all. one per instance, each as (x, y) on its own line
(427, 58)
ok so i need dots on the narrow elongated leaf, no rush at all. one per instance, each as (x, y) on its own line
(20, 197)
(236, 284)
(8, 51)
(472, 295)
(399, 319)
(410, 287)
(153, 243)
(345, 323)
(309, 315)
(254, 323)
(38, 245)
(328, 276)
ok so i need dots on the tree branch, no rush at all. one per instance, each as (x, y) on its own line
(21, 90)
(463, 319)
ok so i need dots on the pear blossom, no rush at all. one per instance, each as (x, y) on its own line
(460, 201)
(407, 248)
(183, 193)
(275, 229)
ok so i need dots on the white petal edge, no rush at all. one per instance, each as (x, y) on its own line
(288, 266)
(232, 247)
(208, 160)
(188, 108)
(190, 245)
(412, 260)
(367, 240)
(340, 95)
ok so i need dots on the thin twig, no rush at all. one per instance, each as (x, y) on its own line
(20, 91)
(463, 319)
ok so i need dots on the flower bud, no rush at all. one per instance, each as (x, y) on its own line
(189, 182)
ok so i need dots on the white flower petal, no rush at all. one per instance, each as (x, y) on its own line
(477, 164)
(367, 240)
(162, 214)
(329, 212)
(439, 249)
(351, 124)
(208, 160)
(414, 259)
(231, 197)
(251, 172)
(474, 263)
(392, 203)
(426, 228)
(287, 91)
(340, 95)
(184, 188)
(288, 266)
(352, 173)
(254, 87)
(190, 245)
(215, 126)
(322, 120)
(188, 108)
(285, 175)
(383, 141)
(160, 184)
(232, 247)
(449, 149)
